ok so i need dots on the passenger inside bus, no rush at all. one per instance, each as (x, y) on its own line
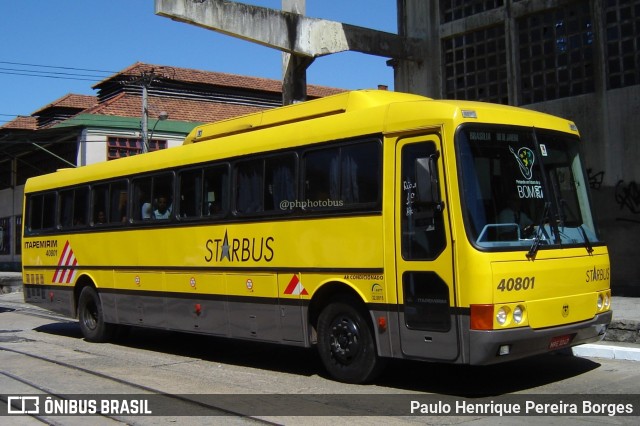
(100, 217)
(163, 209)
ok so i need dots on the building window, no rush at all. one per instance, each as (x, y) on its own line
(556, 53)
(475, 66)
(6, 169)
(5, 235)
(18, 233)
(453, 10)
(622, 21)
(119, 147)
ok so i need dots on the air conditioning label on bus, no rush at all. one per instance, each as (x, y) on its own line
(232, 250)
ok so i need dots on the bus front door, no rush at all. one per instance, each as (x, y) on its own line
(424, 267)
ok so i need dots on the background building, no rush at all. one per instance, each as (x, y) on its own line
(576, 59)
(77, 130)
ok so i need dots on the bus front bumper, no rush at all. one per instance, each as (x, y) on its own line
(491, 347)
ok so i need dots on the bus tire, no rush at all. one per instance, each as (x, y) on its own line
(91, 317)
(346, 344)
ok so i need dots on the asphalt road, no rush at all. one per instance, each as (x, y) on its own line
(189, 379)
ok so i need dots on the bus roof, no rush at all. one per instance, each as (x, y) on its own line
(360, 100)
(330, 105)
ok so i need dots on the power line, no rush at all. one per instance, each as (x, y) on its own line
(34, 70)
(52, 72)
(57, 67)
(26, 74)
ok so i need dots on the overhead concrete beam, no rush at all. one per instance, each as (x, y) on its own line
(286, 31)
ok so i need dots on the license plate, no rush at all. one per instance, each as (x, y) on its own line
(560, 341)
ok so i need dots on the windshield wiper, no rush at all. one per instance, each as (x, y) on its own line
(531, 254)
(587, 243)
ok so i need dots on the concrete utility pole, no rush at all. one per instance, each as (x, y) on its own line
(412, 75)
(291, 32)
(294, 67)
(145, 80)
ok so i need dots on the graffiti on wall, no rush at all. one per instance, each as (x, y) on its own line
(595, 179)
(627, 196)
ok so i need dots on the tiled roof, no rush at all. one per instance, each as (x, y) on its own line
(212, 78)
(70, 100)
(128, 105)
(22, 123)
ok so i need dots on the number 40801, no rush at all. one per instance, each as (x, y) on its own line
(517, 284)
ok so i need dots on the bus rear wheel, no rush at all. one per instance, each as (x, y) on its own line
(346, 344)
(91, 317)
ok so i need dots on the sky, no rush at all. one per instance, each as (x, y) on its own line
(50, 48)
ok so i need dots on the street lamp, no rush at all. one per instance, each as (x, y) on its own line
(145, 142)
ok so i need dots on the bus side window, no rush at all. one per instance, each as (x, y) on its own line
(361, 173)
(346, 176)
(280, 181)
(162, 197)
(66, 208)
(263, 184)
(320, 183)
(141, 189)
(73, 207)
(81, 206)
(190, 193)
(249, 186)
(100, 204)
(119, 202)
(42, 212)
(109, 203)
(215, 191)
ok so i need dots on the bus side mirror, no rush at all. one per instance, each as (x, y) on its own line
(427, 180)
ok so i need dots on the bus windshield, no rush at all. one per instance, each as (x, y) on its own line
(523, 188)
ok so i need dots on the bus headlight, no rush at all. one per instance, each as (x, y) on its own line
(607, 301)
(518, 314)
(501, 316)
(600, 303)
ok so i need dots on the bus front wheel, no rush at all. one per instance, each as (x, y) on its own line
(91, 317)
(346, 344)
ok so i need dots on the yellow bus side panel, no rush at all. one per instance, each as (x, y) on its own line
(256, 259)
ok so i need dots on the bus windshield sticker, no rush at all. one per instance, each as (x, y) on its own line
(543, 149)
(525, 158)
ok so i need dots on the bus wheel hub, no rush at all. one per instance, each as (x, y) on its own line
(344, 340)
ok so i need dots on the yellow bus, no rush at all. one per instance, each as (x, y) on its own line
(370, 224)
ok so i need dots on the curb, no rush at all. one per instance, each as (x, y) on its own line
(595, 350)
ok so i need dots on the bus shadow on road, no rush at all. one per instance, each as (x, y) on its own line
(447, 379)
(484, 381)
(244, 353)
(61, 328)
